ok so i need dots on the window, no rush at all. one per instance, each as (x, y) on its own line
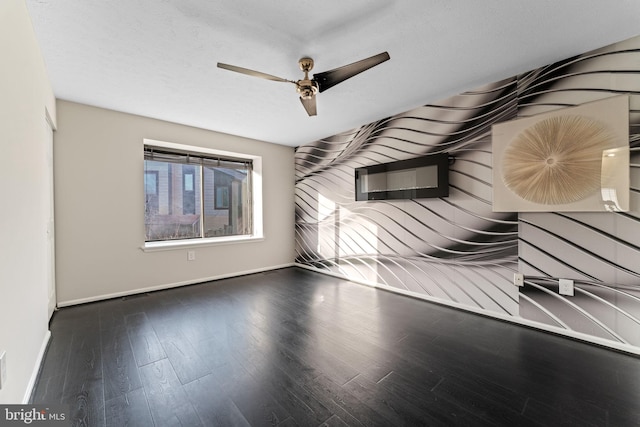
(196, 194)
(150, 192)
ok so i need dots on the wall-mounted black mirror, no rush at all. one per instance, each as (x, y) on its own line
(418, 178)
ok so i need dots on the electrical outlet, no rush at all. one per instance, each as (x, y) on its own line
(191, 255)
(3, 369)
(518, 279)
(565, 287)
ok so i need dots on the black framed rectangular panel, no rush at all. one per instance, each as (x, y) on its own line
(417, 178)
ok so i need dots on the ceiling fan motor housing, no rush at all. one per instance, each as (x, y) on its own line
(306, 88)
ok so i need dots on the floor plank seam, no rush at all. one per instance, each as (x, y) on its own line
(382, 379)
(437, 384)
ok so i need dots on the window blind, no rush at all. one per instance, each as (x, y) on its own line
(161, 154)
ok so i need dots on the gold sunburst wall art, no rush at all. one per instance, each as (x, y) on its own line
(573, 159)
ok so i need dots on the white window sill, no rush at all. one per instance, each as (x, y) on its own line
(169, 245)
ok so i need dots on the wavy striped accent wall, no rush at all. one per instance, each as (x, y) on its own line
(456, 249)
(600, 251)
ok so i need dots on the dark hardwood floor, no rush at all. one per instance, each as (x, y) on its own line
(293, 347)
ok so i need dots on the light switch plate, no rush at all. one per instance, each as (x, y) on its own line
(565, 287)
(518, 279)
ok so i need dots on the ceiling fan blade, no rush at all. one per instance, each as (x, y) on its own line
(253, 73)
(328, 79)
(309, 104)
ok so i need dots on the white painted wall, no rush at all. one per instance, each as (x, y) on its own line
(25, 95)
(99, 207)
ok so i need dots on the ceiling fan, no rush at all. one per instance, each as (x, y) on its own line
(307, 88)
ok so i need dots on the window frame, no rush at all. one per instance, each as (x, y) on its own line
(256, 203)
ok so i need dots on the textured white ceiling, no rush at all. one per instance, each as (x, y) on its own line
(157, 58)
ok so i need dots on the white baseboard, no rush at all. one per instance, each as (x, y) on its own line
(169, 285)
(36, 368)
(626, 348)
